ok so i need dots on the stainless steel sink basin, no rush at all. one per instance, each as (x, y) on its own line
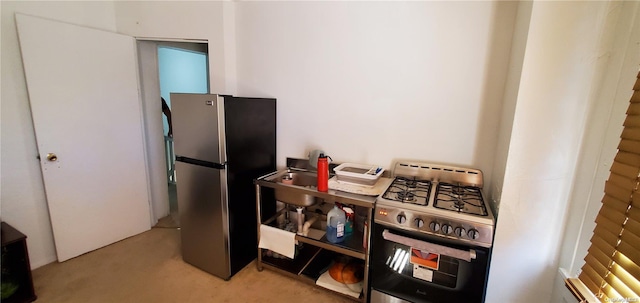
(295, 179)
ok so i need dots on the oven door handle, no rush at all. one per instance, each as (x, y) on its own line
(466, 255)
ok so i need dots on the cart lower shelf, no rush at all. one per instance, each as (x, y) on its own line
(308, 265)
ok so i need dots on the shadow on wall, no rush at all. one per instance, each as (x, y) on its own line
(491, 129)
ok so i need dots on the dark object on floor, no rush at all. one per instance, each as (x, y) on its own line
(17, 285)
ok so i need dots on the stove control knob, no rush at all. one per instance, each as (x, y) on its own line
(447, 229)
(473, 234)
(460, 231)
(401, 218)
(435, 226)
(419, 222)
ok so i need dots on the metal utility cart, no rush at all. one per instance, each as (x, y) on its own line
(317, 252)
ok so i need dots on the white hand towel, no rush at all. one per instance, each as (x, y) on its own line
(278, 240)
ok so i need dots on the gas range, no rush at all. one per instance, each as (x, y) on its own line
(437, 200)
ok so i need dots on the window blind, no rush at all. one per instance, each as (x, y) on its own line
(611, 270)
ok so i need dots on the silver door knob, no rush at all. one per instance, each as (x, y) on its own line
(52, 157)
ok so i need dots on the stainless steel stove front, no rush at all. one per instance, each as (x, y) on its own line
(418, 268)
(451, 228)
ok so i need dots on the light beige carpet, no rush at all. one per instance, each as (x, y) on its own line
(170, 221)
(149, 268)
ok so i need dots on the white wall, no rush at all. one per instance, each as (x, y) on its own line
(199, 20)
(181, 71)
(22, 197)
(510, 99)
(560, 77)
(369, 82)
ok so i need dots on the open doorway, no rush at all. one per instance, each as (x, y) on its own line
(167, 67)
(182, 68)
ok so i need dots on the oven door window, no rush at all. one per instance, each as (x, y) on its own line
(420, 276)
(435, 268)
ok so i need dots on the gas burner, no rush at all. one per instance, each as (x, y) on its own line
(457, 191)
(406, 196)
(411, 183)
(460, 198)
(459, 204)
(409, 191)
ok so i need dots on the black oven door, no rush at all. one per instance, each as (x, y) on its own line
(414, 275)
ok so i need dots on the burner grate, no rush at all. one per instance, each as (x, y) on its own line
(409, 191)
(460, 198)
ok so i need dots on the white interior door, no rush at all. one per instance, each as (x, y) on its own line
(83, 90)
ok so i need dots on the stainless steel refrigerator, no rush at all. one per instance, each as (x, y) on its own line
(222, 143)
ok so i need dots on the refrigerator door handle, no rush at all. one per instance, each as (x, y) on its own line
(200, 162)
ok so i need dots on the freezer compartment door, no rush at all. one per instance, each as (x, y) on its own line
(198, 126)
(202, 205)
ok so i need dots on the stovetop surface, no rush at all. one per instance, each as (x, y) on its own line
(464, 199)
(437, 200)
(440, 190)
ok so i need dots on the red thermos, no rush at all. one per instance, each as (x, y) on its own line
(323, 173)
